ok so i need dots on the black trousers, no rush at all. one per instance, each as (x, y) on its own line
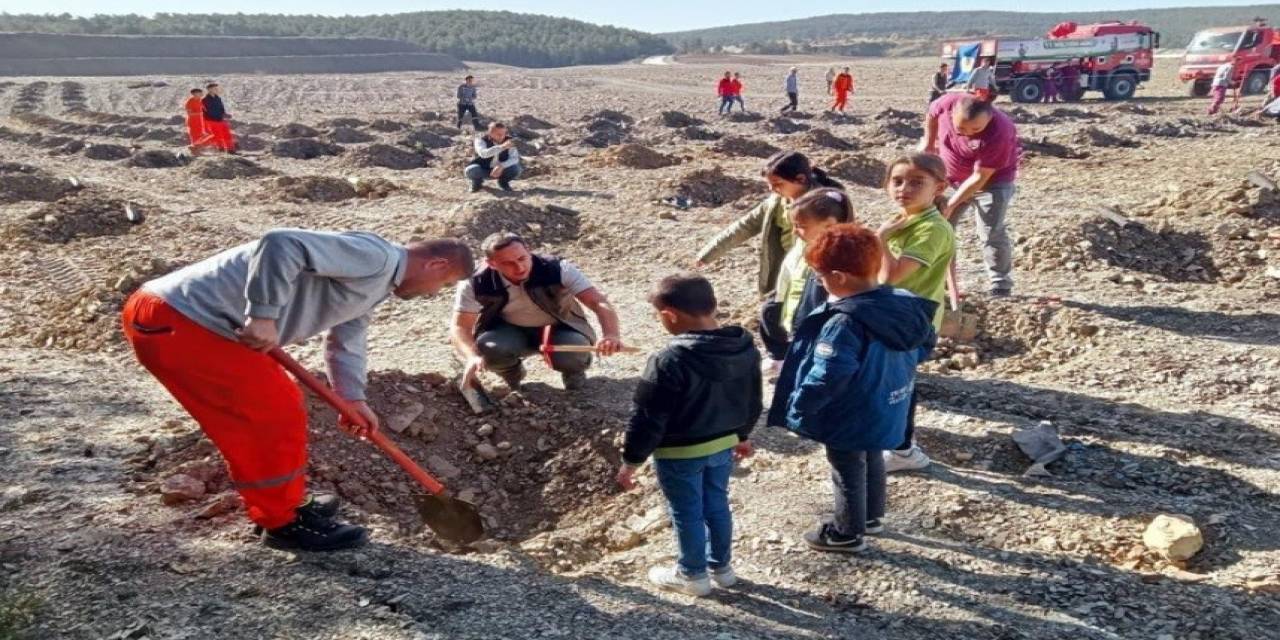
(463, 109)
(793, 101)
(775, 337)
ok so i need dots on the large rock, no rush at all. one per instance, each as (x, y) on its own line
(1175, 537)
(179, 488)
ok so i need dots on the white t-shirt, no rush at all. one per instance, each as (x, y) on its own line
(520, 309)
(1222, 77)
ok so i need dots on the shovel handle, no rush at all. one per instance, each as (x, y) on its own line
(344, 409)
(582, 348)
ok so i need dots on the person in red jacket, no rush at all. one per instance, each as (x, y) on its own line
(736, 85)
(724, 89)
(216, 119)
(196, 130)
(843, 87)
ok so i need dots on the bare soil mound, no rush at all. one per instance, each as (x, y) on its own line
(740, 146)
(1099, 138)
(230, 168)
(894, 132)
(19, 182)
(1016, 337)
(527, 121)
(251, 143)
(69, 149)
(477, 219)
(836, 118)
(1167, 128)
(785, 126)
(157, 159)
(107, 152)
(388, 157)
(744, 117)
(425, 138)
(1102, 245)
(296, 130)
(349, 135)
(1043, 146)
(823, 138)
(388, 126)
(376, 188)
(617, 117)
(632, 156)
(678, 120)
(713, 188)
(313, 189)
(304, 149)
(858, 169)
(605, 136)
(344, 123)
(84, 214)
(699, 134)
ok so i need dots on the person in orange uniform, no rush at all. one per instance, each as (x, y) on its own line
(196, 130)
(202, 332)
(843, 87)
(216, 119)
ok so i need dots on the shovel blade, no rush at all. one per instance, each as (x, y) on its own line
(452, 519)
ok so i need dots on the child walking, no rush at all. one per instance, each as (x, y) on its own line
(810, 215)
(919, 245)
(848, 378)
(695, 407)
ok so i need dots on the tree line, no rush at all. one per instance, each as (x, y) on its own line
(488, 36)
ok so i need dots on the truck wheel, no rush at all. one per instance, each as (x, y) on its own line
(1256, 82)
(1199, 89)
(1072, 94)
(1121, 86)
(1028, 90)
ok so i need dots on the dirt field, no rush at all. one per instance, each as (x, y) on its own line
(1152, 346)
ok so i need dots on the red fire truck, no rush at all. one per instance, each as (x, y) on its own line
(1254, 49)
(1111, 57)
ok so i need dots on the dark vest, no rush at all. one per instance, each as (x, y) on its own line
(487, 163)
(544, 289)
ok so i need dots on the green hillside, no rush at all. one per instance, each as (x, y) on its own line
(490, 36)
(878, 31)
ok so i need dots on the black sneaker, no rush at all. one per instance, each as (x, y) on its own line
(574, 381)
(826, 538)
(475, 188)
(505, 186)
(514, 377)
(319, 505)
(875, 526)
(314, 534)
(1001, 292)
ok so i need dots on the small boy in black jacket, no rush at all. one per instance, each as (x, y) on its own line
(694, 411)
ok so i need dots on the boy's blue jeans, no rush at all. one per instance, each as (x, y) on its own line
(697, 491)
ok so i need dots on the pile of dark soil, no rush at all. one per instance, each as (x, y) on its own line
(1017, 337)
(107, 152)
(425, 138)
(230, 168)
(304, 149)
(296, 130)
(678, 120)
(1096, 137)
(713, 188)
(477, 219)
(83, 214)
(699, 133)
(349, 135)
(376, 188)
(1042, 146)
(740, 146)
(823, 138)
(1170, 128)
(1161, 251)
(616, 117)
(157, 159)
(313, 189)
(785, 126)
(344, 123)
(837, 118)
(388, 157)
(605, 132)
(19, 182)
(857, 169)
(388, 126)
(632, 156)
(526, 121)
(744, 116)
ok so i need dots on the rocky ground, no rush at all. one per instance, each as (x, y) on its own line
(1145, 332)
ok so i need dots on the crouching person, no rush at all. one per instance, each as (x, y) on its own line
(496, 159)
(502, 314)
(694, 411)
(848, 377)
(203, 331)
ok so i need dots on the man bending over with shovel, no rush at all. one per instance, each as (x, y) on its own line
(501, 313)
(203, 332)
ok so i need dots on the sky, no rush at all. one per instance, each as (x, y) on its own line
(645, 15)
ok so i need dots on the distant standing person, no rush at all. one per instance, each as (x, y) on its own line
(980, 80)
(1221, 84)
(736, 85)
(1051, 79)
(724, 89)
(831, 80)
(467, 102)
(196, 130)
(216, 117)
(843, 87)
(494, 145)
(1070, 80)
(979, 145)
(792, 87)
(940, 81)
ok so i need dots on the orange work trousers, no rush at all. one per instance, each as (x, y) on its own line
(842, 100)
(197, 130)
(221, 132)
(245, 403)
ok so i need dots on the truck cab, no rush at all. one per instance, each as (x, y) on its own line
(1254, 49)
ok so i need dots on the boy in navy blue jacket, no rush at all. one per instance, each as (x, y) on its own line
(694, 411)
(848, 377)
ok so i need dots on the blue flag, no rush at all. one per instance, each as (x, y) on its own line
(966, 62)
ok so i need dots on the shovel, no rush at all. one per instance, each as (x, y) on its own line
(451, 518)
(956, 324)
(547, 348)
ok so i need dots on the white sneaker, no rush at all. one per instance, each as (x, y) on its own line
(669, 578)
(724, 578)
(912, 460)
